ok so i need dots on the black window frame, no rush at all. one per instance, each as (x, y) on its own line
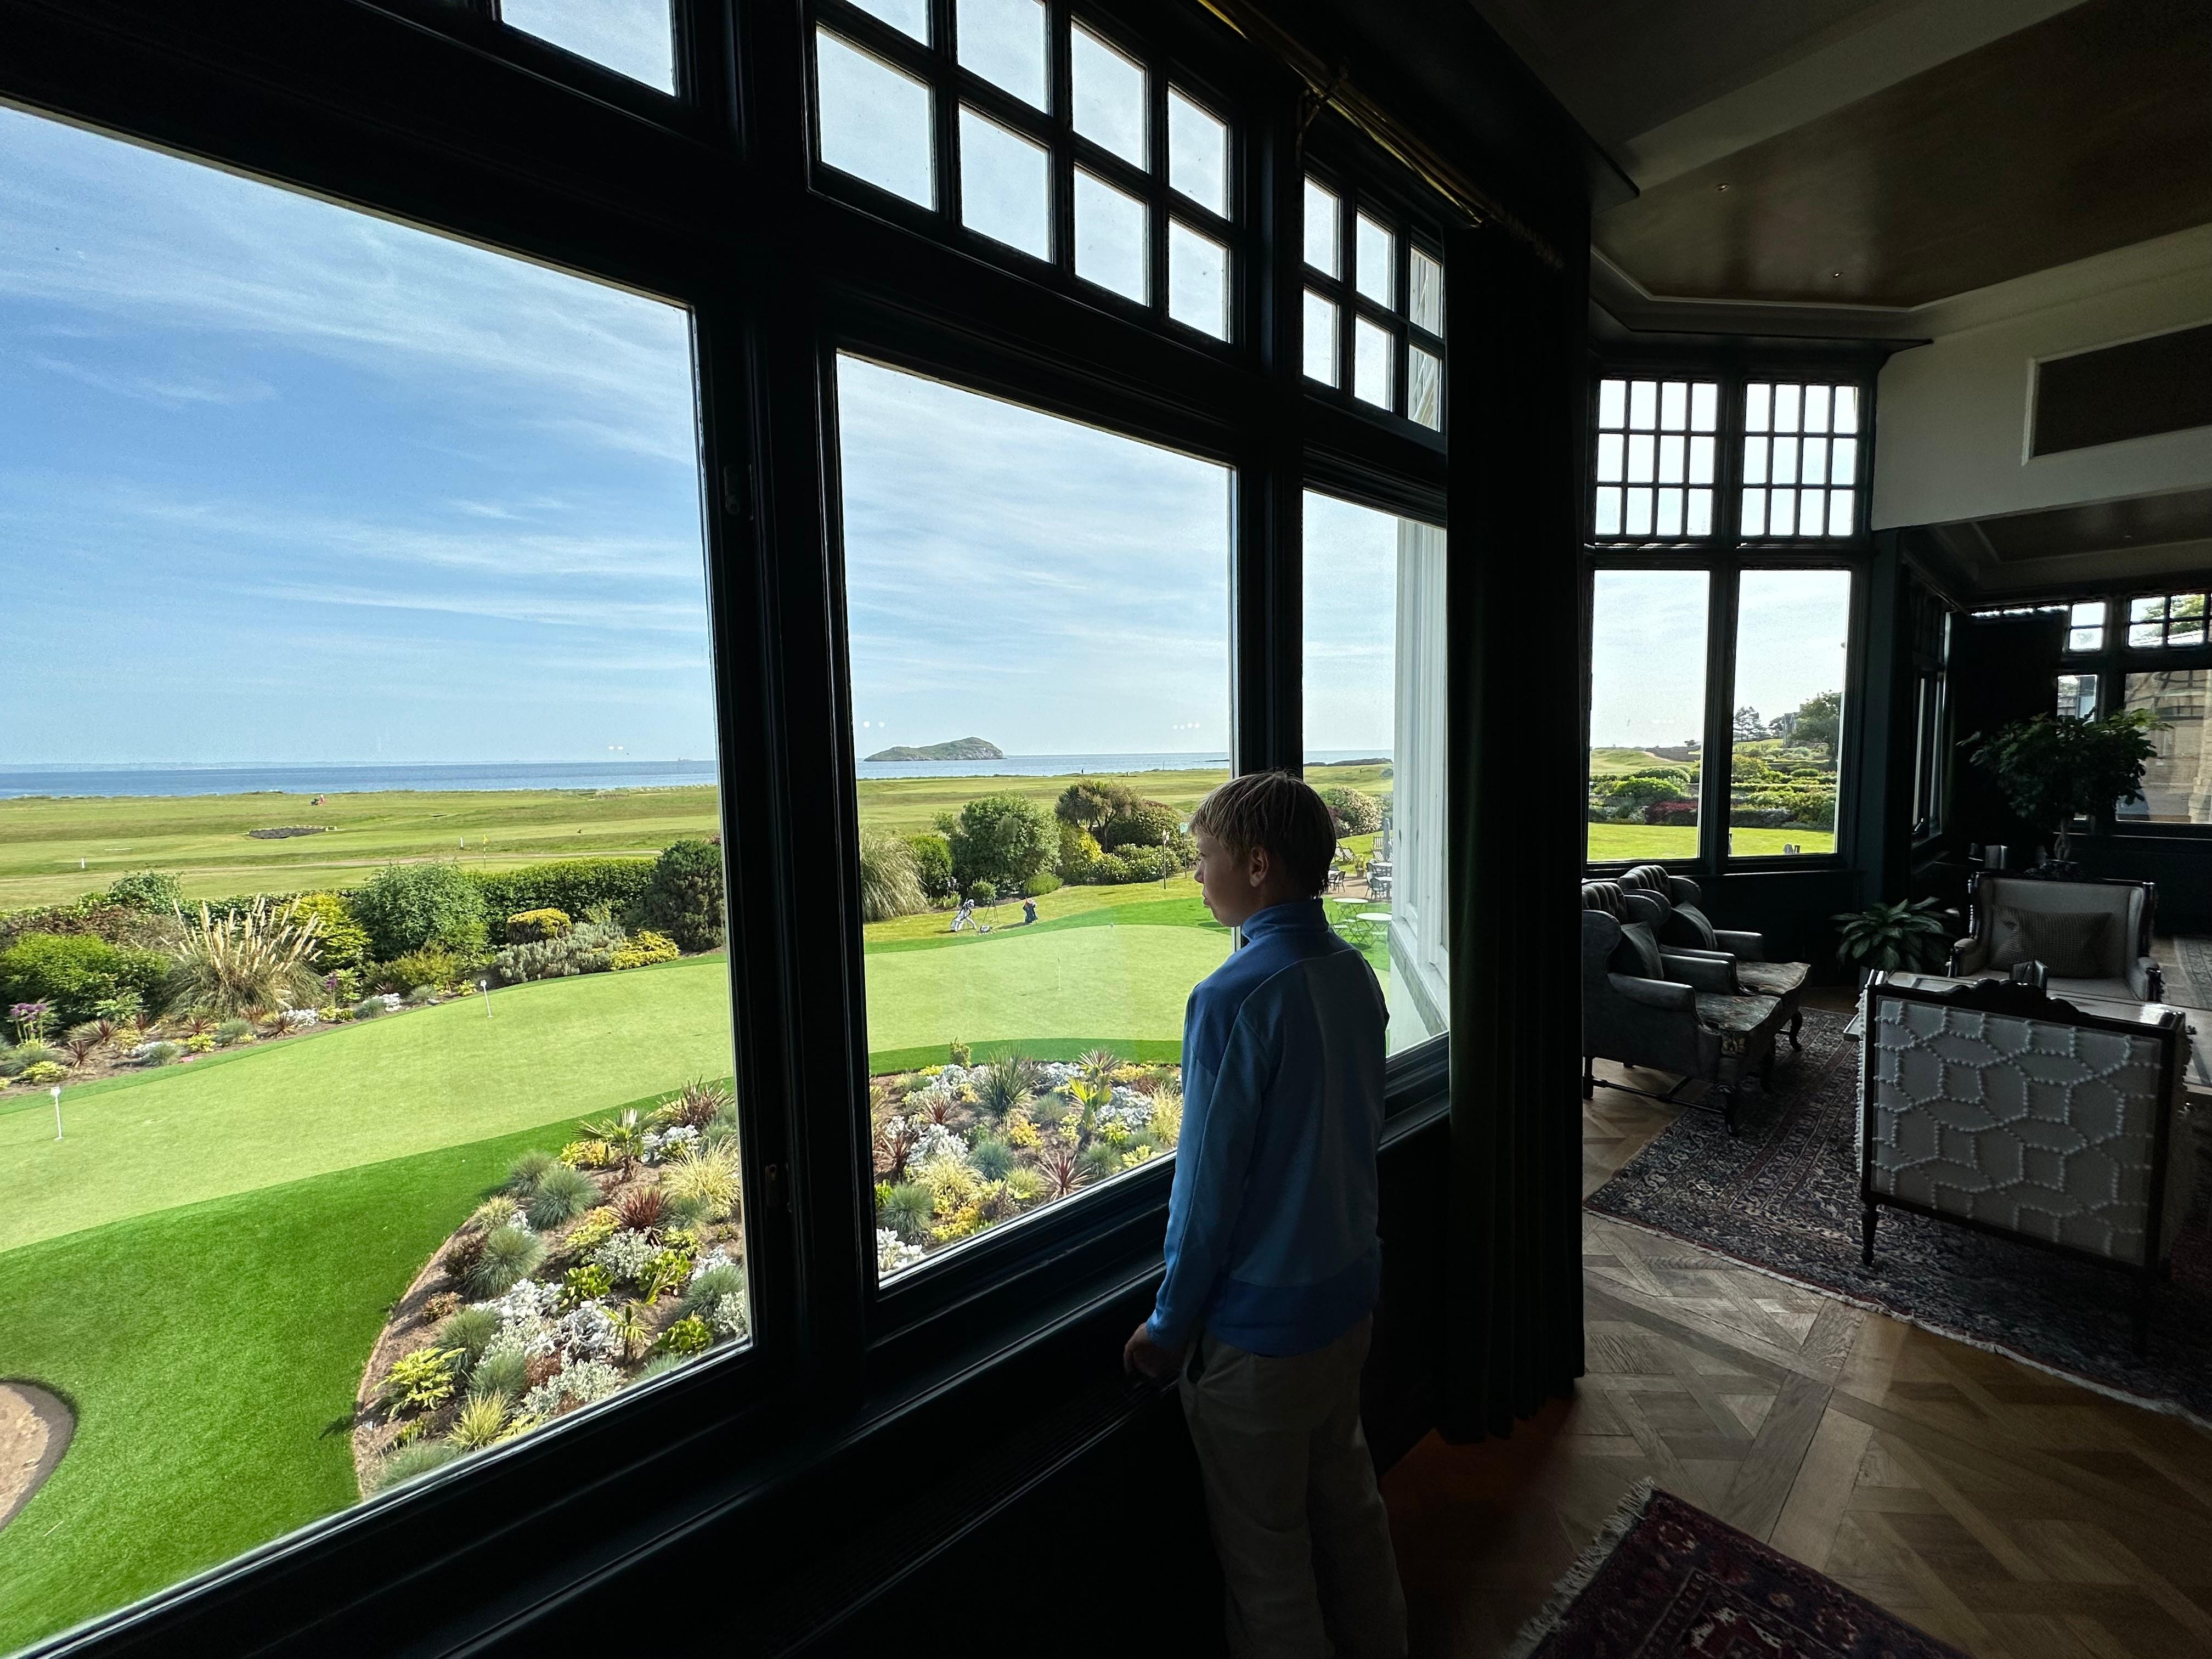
(1364, 186)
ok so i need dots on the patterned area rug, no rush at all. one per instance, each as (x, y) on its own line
(1666, 1581)
(2188, 963)
(1784, 1196)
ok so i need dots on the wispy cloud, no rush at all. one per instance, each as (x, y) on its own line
(172, 392)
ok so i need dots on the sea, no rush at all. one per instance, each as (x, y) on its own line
(350, 778)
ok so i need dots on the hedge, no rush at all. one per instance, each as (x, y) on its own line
(570, 884)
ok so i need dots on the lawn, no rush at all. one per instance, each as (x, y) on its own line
(203, 840)
(1609, 843)
(211, 1352)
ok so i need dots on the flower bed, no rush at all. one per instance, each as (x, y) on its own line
(961, 1149)
(618, 1259)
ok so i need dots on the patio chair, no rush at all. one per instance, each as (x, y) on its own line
(2092, 936)
(1680, 1011)
(1684, 926)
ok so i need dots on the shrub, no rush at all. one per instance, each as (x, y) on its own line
(526, 1170)
(1109, 870)
(481, 1421)
(462, 1256)
(571, 885)
(1139, 823)
(413, 1461)
(202, 1044)
(731, 1315)
(506, 1373)
(1147, 863)
(159, 1054)
(705, 1177)
(1356, 812)
(1002, 839)
(470, 1331)
(1677, 812)
(586, 1283)
(1078, 853)
(992, 1158)
(645, 948)
(421, 1381)
(933, 863)
(891, 883)
(76, 972)
(958, 1053)
(664, 1271)
(416, 970)
(232, 1031)
(340, 940)
(983, 892)
(528, 926)
(1040, 883)
(687, 1337)
(594, 1231)
(637, 1209)
(43, 1073)
(661, 1365)
(562, 1195)
(154, 891)
(708, 1287)
(417, 907)
(1008, 1083)
(624, 1255)
(696, 1105)
(508, 1255)
(579, 1384)
(685, 898)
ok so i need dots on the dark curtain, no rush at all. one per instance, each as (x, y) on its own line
(1513, 1331)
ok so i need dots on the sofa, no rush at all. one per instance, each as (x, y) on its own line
(1682, 1012)
(1997, 1106)
(2092, 936)
(1682, 926)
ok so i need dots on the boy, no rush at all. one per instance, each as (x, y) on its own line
(1272, 1262)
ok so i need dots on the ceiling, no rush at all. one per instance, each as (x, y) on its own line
(1853, 162)
(2088, 546)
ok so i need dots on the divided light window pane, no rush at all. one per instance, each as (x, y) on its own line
(1005, 186)
(1320, 338)
(2165, 619)
(875, 120)
(631, 37)
(1647, 711)
(1112, 234)
(1109, 96)
(1425, 389)
(908, 16)
(1793, 634)
(1198, 153)
(1375, 718)
(1371, 364)
(1654, 458)
(2077, 696)
(1198, 280)
(1323, 229)
(2086, 627)
(1108, 560)
(1375, 262)
(2176, 784)
(1800, 460)
(447, 607)
(1004, 41)
(1427, 278)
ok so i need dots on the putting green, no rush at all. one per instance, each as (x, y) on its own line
(1108, 982)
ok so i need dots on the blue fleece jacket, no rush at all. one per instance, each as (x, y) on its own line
(1271, 1221)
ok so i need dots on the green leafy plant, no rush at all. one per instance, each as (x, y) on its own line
(685, 898)
(595, 1229)
(44, 1072)
(504, 1372)
(562, 1195)
(992, 1158)
(585, 1282)
(471, 1331)
(508, 1255)
(906, 1209)
(707, 1287)
(76, 975)
(481, 1421)
(631, 1327)
(156, 892)
(1357, 813)
(1884, 937)
(414, 974)
(421, 1381)
(256, 957)
(525, 1171)
(667, 1270)
(958, 1053)
(1009, 1082)
(622, 1135)
(412, 1460)
(891, 881)
(528, 926)
(2054, 767)
(694, 1105)
(708, 1177)
(414, 907)
(341, 941)
(232, 1031)
(687, 1337)
(644, 949)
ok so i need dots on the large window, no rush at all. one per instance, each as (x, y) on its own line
(1800, 460)
(1375, 725)
(1792, 645)
(1374, 306)
(1658, 458)
(2176, 784)
(1647, 713)
(1040, 134)
(369, 1058)
(1039, 639)
(2162, 620)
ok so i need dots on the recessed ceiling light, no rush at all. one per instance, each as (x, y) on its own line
(1723, 187)
(1835, 273)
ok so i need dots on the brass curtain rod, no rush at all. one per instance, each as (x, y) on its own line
(1332, 89)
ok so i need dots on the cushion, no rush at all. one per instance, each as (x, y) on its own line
(2076, 945)
(1771, 978)
(1707, 939)
(1605, 896)
(1637, 953)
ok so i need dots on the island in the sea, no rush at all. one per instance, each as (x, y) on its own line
(959, 749)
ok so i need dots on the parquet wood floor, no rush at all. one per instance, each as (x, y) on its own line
(2013, 1514)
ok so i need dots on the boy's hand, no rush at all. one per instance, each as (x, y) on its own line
(1143, 1357)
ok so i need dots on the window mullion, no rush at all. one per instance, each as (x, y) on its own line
(1713, 778)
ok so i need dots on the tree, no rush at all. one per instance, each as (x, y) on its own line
(933, 863)
(2055, 766)
(1087, 803)
(1749, 727)
(1358, 813)
(1139, 823)
(1819, 722)
(422, 907)
(1001, 839)
(685, 899)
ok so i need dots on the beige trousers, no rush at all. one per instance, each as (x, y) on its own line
(1290, 1491)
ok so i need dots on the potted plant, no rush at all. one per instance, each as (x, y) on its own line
(2056, 767)
(1907, 934)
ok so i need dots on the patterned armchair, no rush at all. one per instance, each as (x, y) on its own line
(2093, 937)
(1682, 926)
(1996, 1106)
(1681, 1012)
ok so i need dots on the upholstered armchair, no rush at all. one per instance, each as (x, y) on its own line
(1997, 1106)
(1682, 926)
(1680, 1011)
(2092, 936)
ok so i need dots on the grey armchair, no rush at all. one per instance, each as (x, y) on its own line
(1681, 1012)
(1682, 925)
(2092, 936)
